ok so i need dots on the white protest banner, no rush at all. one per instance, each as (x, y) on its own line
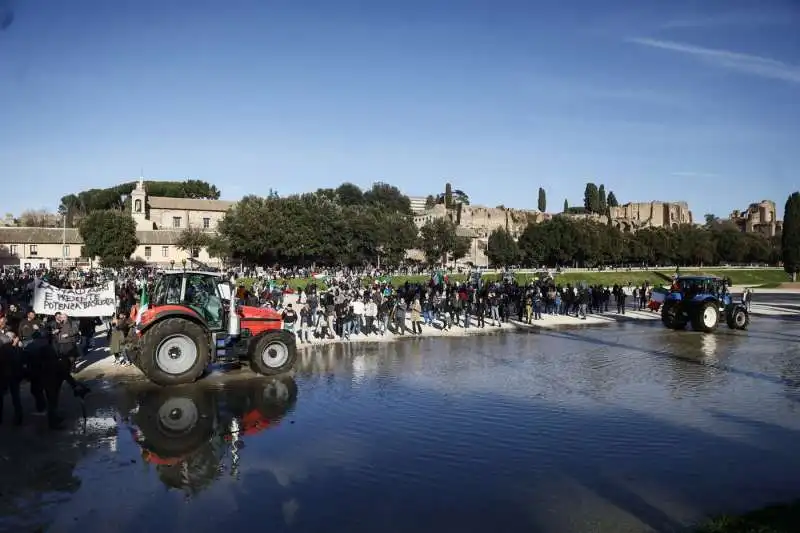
(89, 301)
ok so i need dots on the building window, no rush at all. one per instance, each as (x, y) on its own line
(176, 222)
(34, 249)
(165, 251)
(66, 250)
(206, 223)
(138, 206)
(148, 252)
(13, 249)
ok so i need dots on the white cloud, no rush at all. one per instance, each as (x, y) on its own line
(746, 63)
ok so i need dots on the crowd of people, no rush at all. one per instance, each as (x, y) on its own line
(40, 350)
(44, 350)
(346, 308)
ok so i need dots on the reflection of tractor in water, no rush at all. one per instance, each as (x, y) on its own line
(702, 301)
(189, 324)
(187, 433)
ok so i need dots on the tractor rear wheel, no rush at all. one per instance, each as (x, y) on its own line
(174, 351)
(274, 353)
(738, 318)
(705, 317)
(672, 317)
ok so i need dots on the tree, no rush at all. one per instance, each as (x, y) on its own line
(460, 197)
(349, 194)
(602, 203)
(502, 250)
(388, 197)
(192, 240)
(461, 246)
(790, 238)
(110, 236)
(448, 195)
(323, 227)
(710, 219)
(439, 239)
(542, 204)
(76, 206)
(566, 206)
(591, 198)
(430, 201)
(611, 200)
(218, 248)
(38, 218)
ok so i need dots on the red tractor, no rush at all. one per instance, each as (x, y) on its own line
(193, 320)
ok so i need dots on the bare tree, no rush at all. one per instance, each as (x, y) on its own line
(38, 218)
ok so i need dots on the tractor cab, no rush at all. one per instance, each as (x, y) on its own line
(700, 288)
(206, 293)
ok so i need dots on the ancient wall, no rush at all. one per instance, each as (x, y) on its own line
(640, 215)
(760, 217)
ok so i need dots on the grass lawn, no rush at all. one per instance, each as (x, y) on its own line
(754, 278)
(774, 519)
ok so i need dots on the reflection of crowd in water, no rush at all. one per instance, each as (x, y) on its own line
(346, 309)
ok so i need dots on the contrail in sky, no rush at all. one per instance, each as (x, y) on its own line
(6, 14)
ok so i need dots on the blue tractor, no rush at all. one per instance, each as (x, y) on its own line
(702, 301)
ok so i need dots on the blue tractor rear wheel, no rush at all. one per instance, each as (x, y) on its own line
(705, 317)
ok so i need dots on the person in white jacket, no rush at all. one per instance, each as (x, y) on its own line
(370, 313)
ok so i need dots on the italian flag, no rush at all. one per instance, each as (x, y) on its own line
(659, 295)
(144, 303)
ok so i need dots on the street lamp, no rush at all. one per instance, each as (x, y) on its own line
(171, 264)
(183, 262)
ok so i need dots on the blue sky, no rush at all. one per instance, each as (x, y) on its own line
(678, 100)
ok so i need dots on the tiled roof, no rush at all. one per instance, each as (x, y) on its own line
(188, 204)
(161, 236)
(56, 236)
(39, 236)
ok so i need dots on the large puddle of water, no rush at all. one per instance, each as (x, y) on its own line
(625, 428)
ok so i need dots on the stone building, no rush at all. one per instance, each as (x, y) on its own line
(631, 217)
(159, 223)
(478, 222)
(162, 213)
(761, 217)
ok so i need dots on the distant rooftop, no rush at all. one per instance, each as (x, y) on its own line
(188, 204)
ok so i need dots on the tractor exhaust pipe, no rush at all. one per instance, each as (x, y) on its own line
(234, 324)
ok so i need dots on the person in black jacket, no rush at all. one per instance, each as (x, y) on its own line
(65, 338)
(49, 370)
(10, 371)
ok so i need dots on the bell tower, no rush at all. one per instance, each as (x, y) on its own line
(139, 207)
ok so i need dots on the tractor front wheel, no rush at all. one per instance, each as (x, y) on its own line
(705, 317)
(274, 353)
(174, 351)
(738, 318)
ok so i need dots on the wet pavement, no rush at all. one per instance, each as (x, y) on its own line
(625, 428)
